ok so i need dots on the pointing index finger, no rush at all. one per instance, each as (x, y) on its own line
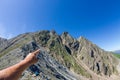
(36, 52)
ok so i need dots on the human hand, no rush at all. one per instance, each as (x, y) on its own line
(31, 57)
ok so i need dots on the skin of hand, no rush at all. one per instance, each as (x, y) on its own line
(14, 72)
(31, 57)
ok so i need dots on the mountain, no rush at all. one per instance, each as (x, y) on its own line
(62, 57)
(3, 42)
(117, 51)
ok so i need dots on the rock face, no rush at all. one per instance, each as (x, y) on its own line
(62, 57)
(47, 67)
(3, 42)
(98, 60)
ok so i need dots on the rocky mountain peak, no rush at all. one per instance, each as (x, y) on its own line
(53, 32)
(2, 39)
(67, 38)
(3, 42)
(83, 39)
(65, 56)
(95, 58)
(65, 33)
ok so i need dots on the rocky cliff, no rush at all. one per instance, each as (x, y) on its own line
(62, 57)
(3, 42)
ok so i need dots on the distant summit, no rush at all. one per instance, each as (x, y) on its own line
(117, 51)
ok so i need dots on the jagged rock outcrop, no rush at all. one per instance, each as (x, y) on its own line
(95, 58)
(47, 67)
(59, 50)
(63, 57)
(3, 42)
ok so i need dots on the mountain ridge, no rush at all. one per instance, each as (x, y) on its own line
(117, 51)
(79, 56)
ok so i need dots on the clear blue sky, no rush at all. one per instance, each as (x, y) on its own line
(97, 20)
